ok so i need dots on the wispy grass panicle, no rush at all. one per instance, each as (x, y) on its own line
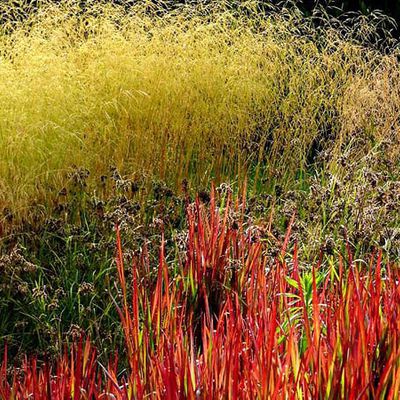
(195, 92)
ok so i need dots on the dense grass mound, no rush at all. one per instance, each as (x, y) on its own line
(230, 321)
(197, 92)
(124, 115)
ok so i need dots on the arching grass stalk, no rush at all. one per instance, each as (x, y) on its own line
(193, 92)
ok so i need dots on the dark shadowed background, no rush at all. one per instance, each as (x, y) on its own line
(334, 7)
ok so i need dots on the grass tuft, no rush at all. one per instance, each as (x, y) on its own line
(195, 92)
(233, 322)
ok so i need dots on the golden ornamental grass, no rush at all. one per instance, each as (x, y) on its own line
(197, 92)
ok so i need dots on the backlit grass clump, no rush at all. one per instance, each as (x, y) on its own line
(203, 91)
(123, 116)
(228, 321)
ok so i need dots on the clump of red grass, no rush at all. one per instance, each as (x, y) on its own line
(232, 323)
